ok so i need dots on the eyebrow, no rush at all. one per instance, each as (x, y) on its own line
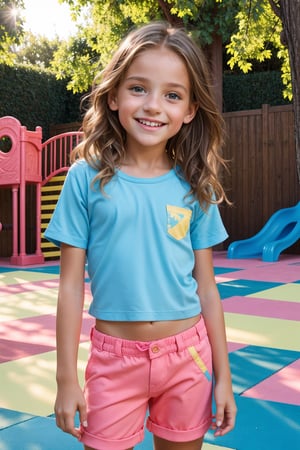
(170, 84)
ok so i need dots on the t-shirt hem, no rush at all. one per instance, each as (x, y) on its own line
(141, 316)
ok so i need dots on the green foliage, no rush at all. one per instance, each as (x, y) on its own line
(10, 28)
(76, 62)
(249, 29)
(106, 22)
(257, 35)
(36, 50)
(36, 98)
(286, 73)
(204, 18)
(250, 91)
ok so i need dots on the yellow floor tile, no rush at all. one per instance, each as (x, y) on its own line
(266, 332)
(31, 382)
(214, 447)
(23, 276)
(28, 304)
(287, 292)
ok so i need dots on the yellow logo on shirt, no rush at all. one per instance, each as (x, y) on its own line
(178, 221)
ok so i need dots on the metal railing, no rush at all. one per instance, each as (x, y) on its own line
(56, 153)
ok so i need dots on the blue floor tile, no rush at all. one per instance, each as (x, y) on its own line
(44, 269)
(39, 433)
(7, 269)
(244, 287)
(262, 425)
(220, 270)
(9, 418)
(253, 364)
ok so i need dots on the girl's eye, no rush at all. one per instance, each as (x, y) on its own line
(173, 96)
(137, 89)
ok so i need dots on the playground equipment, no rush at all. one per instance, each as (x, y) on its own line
(24, 159)
(55, 165)
(20, 164)
(280, 232)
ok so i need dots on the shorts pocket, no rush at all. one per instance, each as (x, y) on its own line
(199, 361)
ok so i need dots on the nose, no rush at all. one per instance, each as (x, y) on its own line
(152, 103)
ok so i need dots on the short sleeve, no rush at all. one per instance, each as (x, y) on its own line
(70, 222)
(207, 227)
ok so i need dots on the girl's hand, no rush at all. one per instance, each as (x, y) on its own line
(226, 409)
(69, 400)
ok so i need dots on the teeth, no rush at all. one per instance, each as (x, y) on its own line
(150, 124)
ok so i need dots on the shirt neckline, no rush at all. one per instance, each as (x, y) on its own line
(142, 180)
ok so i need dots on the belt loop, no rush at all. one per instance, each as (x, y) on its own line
(118, 347)
(198, 327)
(180, 342)
(91, 333)
(95, 339)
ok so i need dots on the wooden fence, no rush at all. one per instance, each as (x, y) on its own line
(263, 177)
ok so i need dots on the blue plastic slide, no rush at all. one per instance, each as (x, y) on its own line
(280, 232)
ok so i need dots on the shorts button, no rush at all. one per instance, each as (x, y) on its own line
(155, 349)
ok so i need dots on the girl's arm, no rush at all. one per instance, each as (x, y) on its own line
(213, 315)
(69, 397)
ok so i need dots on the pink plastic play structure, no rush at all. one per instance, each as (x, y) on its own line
(19, 165)
(26, 160)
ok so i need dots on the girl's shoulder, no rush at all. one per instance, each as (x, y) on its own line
(81, 168)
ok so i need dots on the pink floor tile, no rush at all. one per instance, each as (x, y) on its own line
(262, 307)
(29, 286)
(286, 270)
(34, 286)
(234, 346)
(221, 260)
(226, 277)
(11, 350)
(283, 386)
(33, 335)
(277, 273)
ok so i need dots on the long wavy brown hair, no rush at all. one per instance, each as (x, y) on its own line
(195, 149)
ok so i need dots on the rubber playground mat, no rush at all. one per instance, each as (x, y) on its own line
(262, 313)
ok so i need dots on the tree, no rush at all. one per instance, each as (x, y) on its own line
(252, 30)
(76, 61)
(106, 22)
(265, 23)
(11, 28)
(289, 14)
(249, 28)
(37, 50)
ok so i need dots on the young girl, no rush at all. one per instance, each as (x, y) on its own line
(140, 203)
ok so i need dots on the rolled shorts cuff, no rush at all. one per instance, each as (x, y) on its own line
(98, 443)
(179, 435)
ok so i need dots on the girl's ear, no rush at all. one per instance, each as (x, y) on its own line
(112, 100)
(191, 113)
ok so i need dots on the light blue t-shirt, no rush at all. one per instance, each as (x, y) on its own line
(139, 236)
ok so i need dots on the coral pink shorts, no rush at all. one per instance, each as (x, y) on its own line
(171, 378)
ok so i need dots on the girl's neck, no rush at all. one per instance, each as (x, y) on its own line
(146, 166)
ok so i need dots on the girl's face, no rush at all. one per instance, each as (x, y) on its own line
(153, 99)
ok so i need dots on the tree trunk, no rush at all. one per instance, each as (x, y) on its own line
(173, 20)
(289, 13)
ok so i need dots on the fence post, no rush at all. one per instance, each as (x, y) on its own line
(265, 152)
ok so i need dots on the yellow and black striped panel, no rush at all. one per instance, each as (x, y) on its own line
(49, 196)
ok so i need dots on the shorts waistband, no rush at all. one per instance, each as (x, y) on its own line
(149, 349)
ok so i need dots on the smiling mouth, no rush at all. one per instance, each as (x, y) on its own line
(150, 123)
